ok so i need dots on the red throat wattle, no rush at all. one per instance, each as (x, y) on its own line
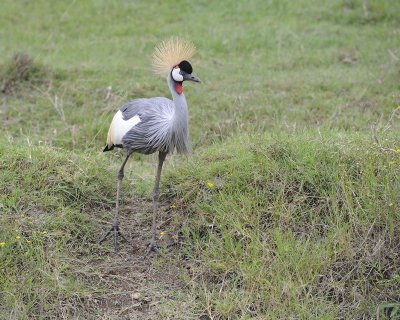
(178, 87)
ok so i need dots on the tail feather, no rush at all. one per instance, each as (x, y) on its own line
(107, 148)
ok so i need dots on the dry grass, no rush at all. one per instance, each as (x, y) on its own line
(22, 72)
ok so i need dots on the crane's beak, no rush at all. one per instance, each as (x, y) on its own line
(189, 77)
(194, 78)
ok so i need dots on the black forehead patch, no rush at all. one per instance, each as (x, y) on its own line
(185, 66)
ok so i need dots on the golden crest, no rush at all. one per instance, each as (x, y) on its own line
(171, 52)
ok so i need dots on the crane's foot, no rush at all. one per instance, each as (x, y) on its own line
(115, 233)
(152, 247)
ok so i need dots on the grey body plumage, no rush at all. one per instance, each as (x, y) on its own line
(149, 125)
(163, 125)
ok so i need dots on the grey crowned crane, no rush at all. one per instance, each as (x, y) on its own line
(157, 124)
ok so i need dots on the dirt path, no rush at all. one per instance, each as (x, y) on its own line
(130, 285)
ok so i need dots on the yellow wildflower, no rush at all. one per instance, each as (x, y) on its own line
(173, 206)
(391, 162)
(398, 150)
(210, 184)
(2, 244)
(44, 232)
(18, 238)
(391, 204)
(28, 241)
(162, 233)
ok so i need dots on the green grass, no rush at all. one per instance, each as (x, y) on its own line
(53, 209)
(46, 195)
(291, 225)
(286, 210)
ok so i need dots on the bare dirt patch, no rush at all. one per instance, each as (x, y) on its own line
(129, 284)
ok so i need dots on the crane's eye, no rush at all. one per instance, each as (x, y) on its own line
(176, 74)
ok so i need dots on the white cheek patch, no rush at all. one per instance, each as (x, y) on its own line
(176, 75)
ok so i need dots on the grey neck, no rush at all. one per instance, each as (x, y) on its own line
(180, 119)
(181, 109)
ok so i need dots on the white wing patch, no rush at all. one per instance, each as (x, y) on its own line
(119, 127)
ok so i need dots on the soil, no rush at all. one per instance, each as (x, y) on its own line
(134, 285)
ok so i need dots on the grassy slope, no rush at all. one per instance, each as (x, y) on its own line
(44, 197)
(267, 66)
(291, 226)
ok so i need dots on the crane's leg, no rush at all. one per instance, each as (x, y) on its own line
(115, 226)
(153, 246)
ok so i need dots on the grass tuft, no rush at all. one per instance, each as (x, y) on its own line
(21, 71)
